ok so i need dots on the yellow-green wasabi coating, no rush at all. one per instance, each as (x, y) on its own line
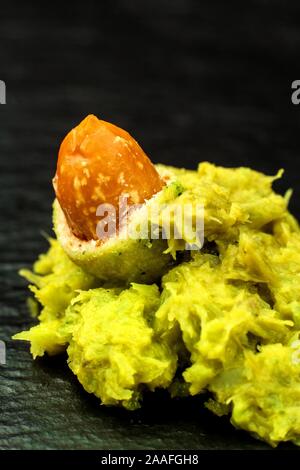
(114, 349)
(121, 260)
(228, 316)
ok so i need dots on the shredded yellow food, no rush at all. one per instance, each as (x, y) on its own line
(224, 320)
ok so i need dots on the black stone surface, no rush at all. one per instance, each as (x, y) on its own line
(191, 81)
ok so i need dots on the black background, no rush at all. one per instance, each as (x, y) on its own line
(191, 80)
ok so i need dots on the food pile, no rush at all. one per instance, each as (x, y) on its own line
(141, 314)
